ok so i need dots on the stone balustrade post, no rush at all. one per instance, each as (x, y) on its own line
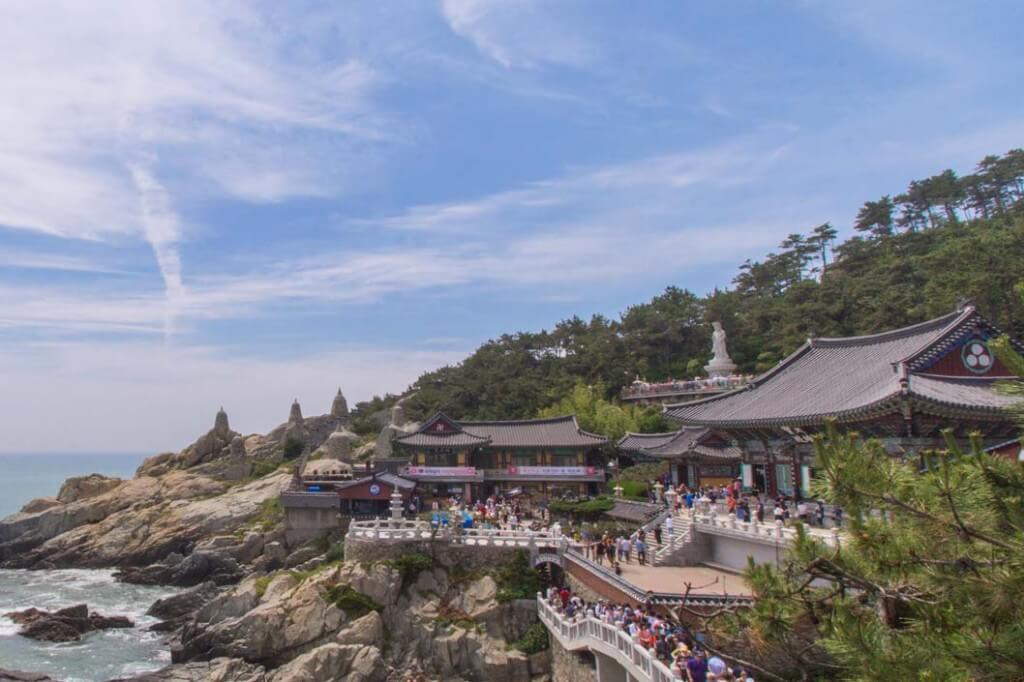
(778, 528)
(835, 537)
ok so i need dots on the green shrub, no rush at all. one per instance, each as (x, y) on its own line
(635, 489)
(410, 566)
(293, 447)
(351, 601)
(262, 583)
(534, 640)
(335, 553)
(517, 579)
(262, 467)
(584, 509)
(271, 513)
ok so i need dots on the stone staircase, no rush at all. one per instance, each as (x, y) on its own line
(680, 546)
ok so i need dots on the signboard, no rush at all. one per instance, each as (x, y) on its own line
(805, 479)
(441, 472)
(552, 471)
(748, 475)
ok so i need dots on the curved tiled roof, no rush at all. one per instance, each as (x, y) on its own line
(644, 441)
(553, 432)
(848, 379)
(677, 444)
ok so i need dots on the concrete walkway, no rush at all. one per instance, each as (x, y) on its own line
(703, 579)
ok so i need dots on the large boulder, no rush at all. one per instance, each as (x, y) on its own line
(352, 663)
(183, 603)
(83, 487)
(64, 625)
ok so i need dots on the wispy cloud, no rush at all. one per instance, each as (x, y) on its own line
(125, 111)
(519, 33)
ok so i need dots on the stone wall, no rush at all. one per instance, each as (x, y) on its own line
(305, 523)
(592, 588)
(733, 552)
(569, 666)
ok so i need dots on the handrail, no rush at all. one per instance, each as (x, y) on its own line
(594, 634)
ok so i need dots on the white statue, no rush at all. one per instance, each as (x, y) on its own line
(721, 364)
(718, 343)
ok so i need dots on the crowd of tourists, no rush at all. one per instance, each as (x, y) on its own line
(640, 388)
(668, 642)
(756, 507)
(494, 513)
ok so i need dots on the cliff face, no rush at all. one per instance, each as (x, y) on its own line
(363, 621)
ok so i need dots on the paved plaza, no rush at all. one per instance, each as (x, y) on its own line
(703, 579)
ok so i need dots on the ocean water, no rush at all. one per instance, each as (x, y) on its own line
(103, 655)
(26, 477)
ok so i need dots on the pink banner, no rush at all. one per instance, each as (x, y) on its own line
(552, 471)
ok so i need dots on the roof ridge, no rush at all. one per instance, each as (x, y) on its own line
(943, 322)
(540, 420)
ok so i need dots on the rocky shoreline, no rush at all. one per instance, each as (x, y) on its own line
(207, 519)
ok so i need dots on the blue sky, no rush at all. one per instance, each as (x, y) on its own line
(210, 203)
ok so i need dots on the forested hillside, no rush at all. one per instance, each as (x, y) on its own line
(914, 255)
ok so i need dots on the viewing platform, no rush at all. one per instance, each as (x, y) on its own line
(681, 391)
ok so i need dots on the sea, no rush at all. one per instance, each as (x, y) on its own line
(100, 656)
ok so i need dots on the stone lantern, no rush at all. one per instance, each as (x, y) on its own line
(618, 490)
(397, 507)
(659, 490)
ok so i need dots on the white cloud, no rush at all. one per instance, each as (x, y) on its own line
(519, 33)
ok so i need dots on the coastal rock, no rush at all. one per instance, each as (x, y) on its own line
(368, 629)
(40, 504)
(183, 603)
(84, 487)
(217, 670)
(64, 625)
(146, 519)
(194, 569)
(353, 663)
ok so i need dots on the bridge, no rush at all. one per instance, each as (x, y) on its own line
(617, 657)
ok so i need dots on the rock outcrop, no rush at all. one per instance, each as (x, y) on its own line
(15, 676)
(64, 625)
(305, 628)
(85, 487)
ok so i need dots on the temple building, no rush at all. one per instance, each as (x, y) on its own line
(903, 386)
(698, 457)
(538, 457)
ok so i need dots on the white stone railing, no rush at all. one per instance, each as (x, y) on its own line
(406, 530)
(595, 635)
(769, 533)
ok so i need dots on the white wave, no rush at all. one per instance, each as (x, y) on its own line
(8, 627)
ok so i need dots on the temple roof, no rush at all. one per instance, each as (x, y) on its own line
(857, 378)
(685, 442)
(641, 442)
(553, 432)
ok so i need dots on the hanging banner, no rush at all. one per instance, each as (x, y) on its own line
(551, 471)
(441, 471)
(805, 479)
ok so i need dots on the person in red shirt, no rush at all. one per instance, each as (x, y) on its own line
(646, 637)
(564, 596)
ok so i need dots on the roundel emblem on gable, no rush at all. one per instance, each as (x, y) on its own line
(374, 489)
(976, 356)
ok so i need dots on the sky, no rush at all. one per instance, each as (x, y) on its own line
(228, 203)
